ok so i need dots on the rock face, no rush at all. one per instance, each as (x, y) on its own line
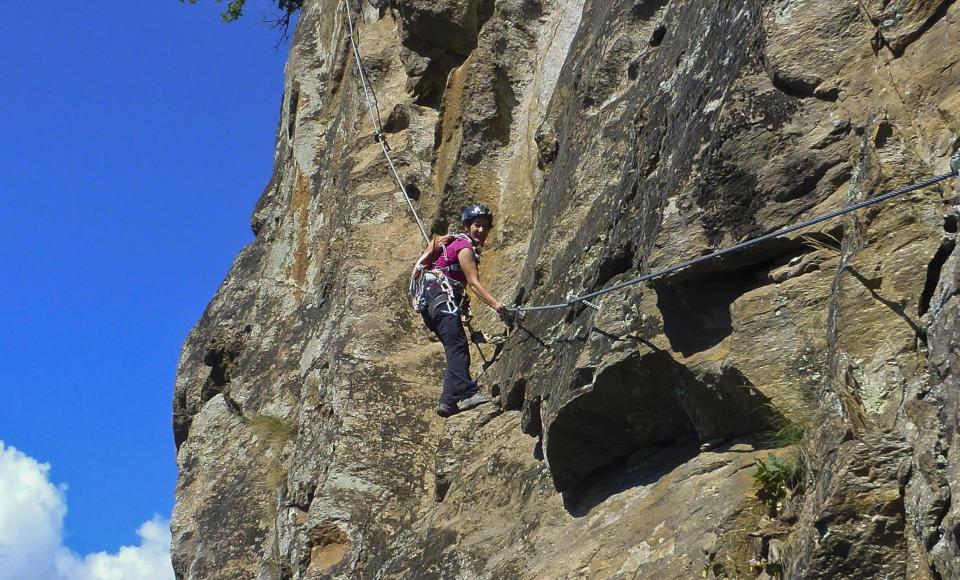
(611, 138)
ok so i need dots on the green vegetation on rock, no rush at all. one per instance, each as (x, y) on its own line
(235, 10)
(777, 477)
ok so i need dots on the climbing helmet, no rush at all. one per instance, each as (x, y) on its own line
(473, 211)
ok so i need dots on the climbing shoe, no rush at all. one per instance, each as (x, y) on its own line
(474, 401)
(445, 410)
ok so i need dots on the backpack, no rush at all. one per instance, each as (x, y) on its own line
(416, 289)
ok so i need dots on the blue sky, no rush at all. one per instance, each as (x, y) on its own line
(136, 138)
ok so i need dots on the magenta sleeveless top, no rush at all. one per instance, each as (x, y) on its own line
(448, 263)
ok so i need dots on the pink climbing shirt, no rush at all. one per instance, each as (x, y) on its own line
(448, 263)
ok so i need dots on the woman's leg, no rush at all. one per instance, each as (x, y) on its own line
(457, 383)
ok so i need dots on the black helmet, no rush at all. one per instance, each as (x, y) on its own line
(473, 211)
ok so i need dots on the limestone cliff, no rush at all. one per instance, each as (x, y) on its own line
(611, 138)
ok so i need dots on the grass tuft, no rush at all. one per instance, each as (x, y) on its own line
(778, 478)
(272, 431)
(827, 243)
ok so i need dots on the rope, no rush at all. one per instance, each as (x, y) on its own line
(743, 245)
(370, 96)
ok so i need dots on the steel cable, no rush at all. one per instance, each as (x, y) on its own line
(735, 248)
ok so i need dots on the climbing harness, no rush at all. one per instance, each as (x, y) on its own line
(430, 282)
(431, 289)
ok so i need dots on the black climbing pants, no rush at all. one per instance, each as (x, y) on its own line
(457, 384)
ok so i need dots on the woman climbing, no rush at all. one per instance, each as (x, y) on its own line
(444, 306)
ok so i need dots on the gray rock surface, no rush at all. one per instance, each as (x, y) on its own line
(611, 138)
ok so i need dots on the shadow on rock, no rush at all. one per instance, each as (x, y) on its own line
(644, 467)
(646, 408)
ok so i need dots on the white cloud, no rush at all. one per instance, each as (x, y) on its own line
(31, 517)
(148, 561)
(31, 532)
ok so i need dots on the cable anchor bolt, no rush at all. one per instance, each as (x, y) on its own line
(514, 314)
(381, 137)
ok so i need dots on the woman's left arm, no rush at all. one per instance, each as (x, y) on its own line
(468, 263)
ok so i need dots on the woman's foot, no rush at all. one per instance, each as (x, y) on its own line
(475, 401)
(445, 410)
